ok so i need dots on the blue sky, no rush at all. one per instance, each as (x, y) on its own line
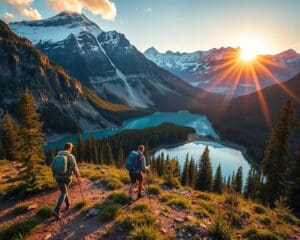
(192, 25)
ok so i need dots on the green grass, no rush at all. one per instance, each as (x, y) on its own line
(219, 230)
(207, 205)
(154, 190)
(20, 229)
(259, 209)
(133, 219)
(109, 212)
(176, 200)
(111, 206)
(45, 212)
(144, 233)
(81, 204)
(204, 196)
(141, 207)
(257, 234)
(202, 213)
(21, 208)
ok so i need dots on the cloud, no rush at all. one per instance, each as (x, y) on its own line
(104, 8)
(8, 17)
(24, 9)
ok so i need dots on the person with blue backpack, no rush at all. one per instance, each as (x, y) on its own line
(136, 165)
(63, 167)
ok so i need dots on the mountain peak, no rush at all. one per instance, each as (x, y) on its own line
(151, 50)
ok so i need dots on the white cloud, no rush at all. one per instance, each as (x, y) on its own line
(104, 8)
(23, 7)
(8, 17)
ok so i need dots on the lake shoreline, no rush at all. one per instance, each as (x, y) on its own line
(197, 137)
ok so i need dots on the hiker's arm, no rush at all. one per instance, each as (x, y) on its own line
(143, 164)
(75, 167)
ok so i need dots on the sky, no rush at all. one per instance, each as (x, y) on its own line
(186, 26)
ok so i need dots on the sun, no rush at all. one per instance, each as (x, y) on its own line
(250, 48)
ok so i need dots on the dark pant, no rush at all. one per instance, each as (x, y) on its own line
(136, 177)
(63, 187)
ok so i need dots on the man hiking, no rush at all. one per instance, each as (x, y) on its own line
(63, 167)
(136, 165)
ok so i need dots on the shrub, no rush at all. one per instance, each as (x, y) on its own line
(204, 196)
(20, 229)
(109, 212)
(219, 230)
(259, 209)
(118, 198)
(266, 221)
(176, 200)
(254, 234)
(154, 190)
(111, 182)
(142, 207)
(231, 199)
(144, 233)
(45, 212)
(21, 208)
(133, 219)
(288, 218)
(201, 213)
(209, 206)
(81, 204)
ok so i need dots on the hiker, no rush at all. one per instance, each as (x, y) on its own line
(136, 165)
(63, 167)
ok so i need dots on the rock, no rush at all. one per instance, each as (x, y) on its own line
(81, 226)
(92, 213)
(203, 226)
(189, 218)
(164, 230)
(179, 220)
(164, 214)
(33, 206)
(48, 236)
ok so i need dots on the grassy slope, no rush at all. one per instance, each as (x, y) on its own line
(171, 212)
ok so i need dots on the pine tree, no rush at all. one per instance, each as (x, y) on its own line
(228, 184)
(11, 138)
(192, 172)
(185, 172)
(108, 156)
(205, 179)
(80, 147)
(121, 158)
(238, 181)
(32, 142)
(249, 187)
(276, 155)
(294, 194)
(218, 181)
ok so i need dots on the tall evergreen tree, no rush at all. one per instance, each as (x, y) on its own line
(276, 155)
(185, 172)
(294, 194)
(121, 158)
(218, 181)
(192, 172)
(205, 179)
(32, 141)
(238, 181)
(11, 138)
(80, 147)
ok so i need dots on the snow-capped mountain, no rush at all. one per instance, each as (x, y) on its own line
(215, 70)
(104, 61)
(65, 105)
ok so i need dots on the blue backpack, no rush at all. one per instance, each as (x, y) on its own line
(134, 162)
(60, 165)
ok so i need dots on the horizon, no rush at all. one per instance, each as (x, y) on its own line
(271, 25)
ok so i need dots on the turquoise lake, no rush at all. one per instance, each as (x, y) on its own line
(229, 158)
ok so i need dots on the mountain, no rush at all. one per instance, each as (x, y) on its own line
(106, 62)
(215, 70)
(243, 121)
(65, 105)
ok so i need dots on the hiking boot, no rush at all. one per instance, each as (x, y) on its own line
(56, 214)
